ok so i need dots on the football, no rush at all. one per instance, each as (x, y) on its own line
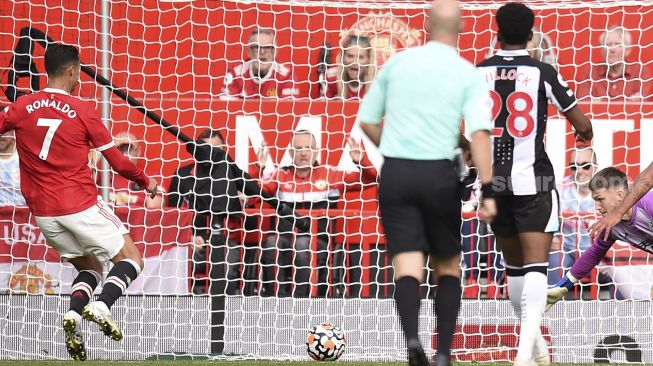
(325, 342)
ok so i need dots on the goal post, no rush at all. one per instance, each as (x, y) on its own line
(173, 57)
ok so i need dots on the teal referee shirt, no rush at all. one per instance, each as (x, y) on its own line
(424, 92)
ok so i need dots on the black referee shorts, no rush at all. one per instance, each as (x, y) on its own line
(420, 206)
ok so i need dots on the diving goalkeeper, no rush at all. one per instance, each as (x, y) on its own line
(609, 187)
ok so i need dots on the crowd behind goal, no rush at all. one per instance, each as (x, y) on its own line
(300, 246)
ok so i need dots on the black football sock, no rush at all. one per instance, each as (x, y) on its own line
(407, 299)
(447, 306)
(118, 280)
(82, 289)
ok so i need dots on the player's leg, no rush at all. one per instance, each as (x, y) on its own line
(536, 218)
(89, 269)
(446, 304)
(406, 242)
(508, 241)
(127, 266)
(513, 255)
(88, 277)
(409, 274)
(535, 246)
(101, 233)
(441, 210)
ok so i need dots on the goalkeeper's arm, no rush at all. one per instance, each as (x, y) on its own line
(580, 269)
(560, 289)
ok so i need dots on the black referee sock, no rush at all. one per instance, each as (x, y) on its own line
(119, 278)
(408, 302)
(82, 289)
(447, 306)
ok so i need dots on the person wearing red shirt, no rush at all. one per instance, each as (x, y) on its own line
(616, 78)
(262, 76)
(54, 133)
(306, 185)
(355, 71)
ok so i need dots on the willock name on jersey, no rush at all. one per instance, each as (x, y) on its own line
(520, 88)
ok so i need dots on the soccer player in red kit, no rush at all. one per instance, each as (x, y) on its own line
(54, 133)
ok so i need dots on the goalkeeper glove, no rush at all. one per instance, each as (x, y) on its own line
(560, 289)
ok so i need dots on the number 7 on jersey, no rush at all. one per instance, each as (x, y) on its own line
(52, 125)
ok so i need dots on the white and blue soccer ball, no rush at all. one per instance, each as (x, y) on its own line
(325, 342)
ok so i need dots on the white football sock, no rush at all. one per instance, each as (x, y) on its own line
(74, 315)
(533, 303)
(515, 287)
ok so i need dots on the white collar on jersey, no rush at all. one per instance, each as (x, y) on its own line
(55, 90)
(261, 80)
(512, 53)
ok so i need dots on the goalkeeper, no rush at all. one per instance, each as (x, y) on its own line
(609, 187)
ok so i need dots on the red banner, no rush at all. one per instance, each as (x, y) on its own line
(153, 231)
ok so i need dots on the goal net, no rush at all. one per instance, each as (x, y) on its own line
(241, 290)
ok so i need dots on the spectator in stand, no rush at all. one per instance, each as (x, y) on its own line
(541, 48)
(261, 76)
(193, 186)
(576, 200)
(615, 78)
(10, 194)
(354, 72)
(123, 191)
(305, 185)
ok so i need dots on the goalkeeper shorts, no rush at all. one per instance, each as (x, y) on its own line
(420, 206)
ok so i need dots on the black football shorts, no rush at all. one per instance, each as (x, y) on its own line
(420, 206)
(522, 214)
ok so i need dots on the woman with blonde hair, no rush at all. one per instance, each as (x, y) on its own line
(354, 72)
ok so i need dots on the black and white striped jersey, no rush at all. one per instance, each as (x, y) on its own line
(520, 88)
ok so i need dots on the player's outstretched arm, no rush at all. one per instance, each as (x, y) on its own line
(560, 289)
(642, 185)
(587, 261)
(581, 123)
(127, 169)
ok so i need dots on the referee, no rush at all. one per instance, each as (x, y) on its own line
(424, 92)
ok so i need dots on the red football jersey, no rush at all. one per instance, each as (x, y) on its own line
(325, 182)
(239, 82)
(54, 133)
(351, 92)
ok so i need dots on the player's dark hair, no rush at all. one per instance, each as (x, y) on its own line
(515, 22)
(609, 179)
(209, 134)
(60, 56)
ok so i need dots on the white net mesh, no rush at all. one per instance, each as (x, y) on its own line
(190, 62)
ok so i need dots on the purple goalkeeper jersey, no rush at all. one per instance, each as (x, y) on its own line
(638, 232)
